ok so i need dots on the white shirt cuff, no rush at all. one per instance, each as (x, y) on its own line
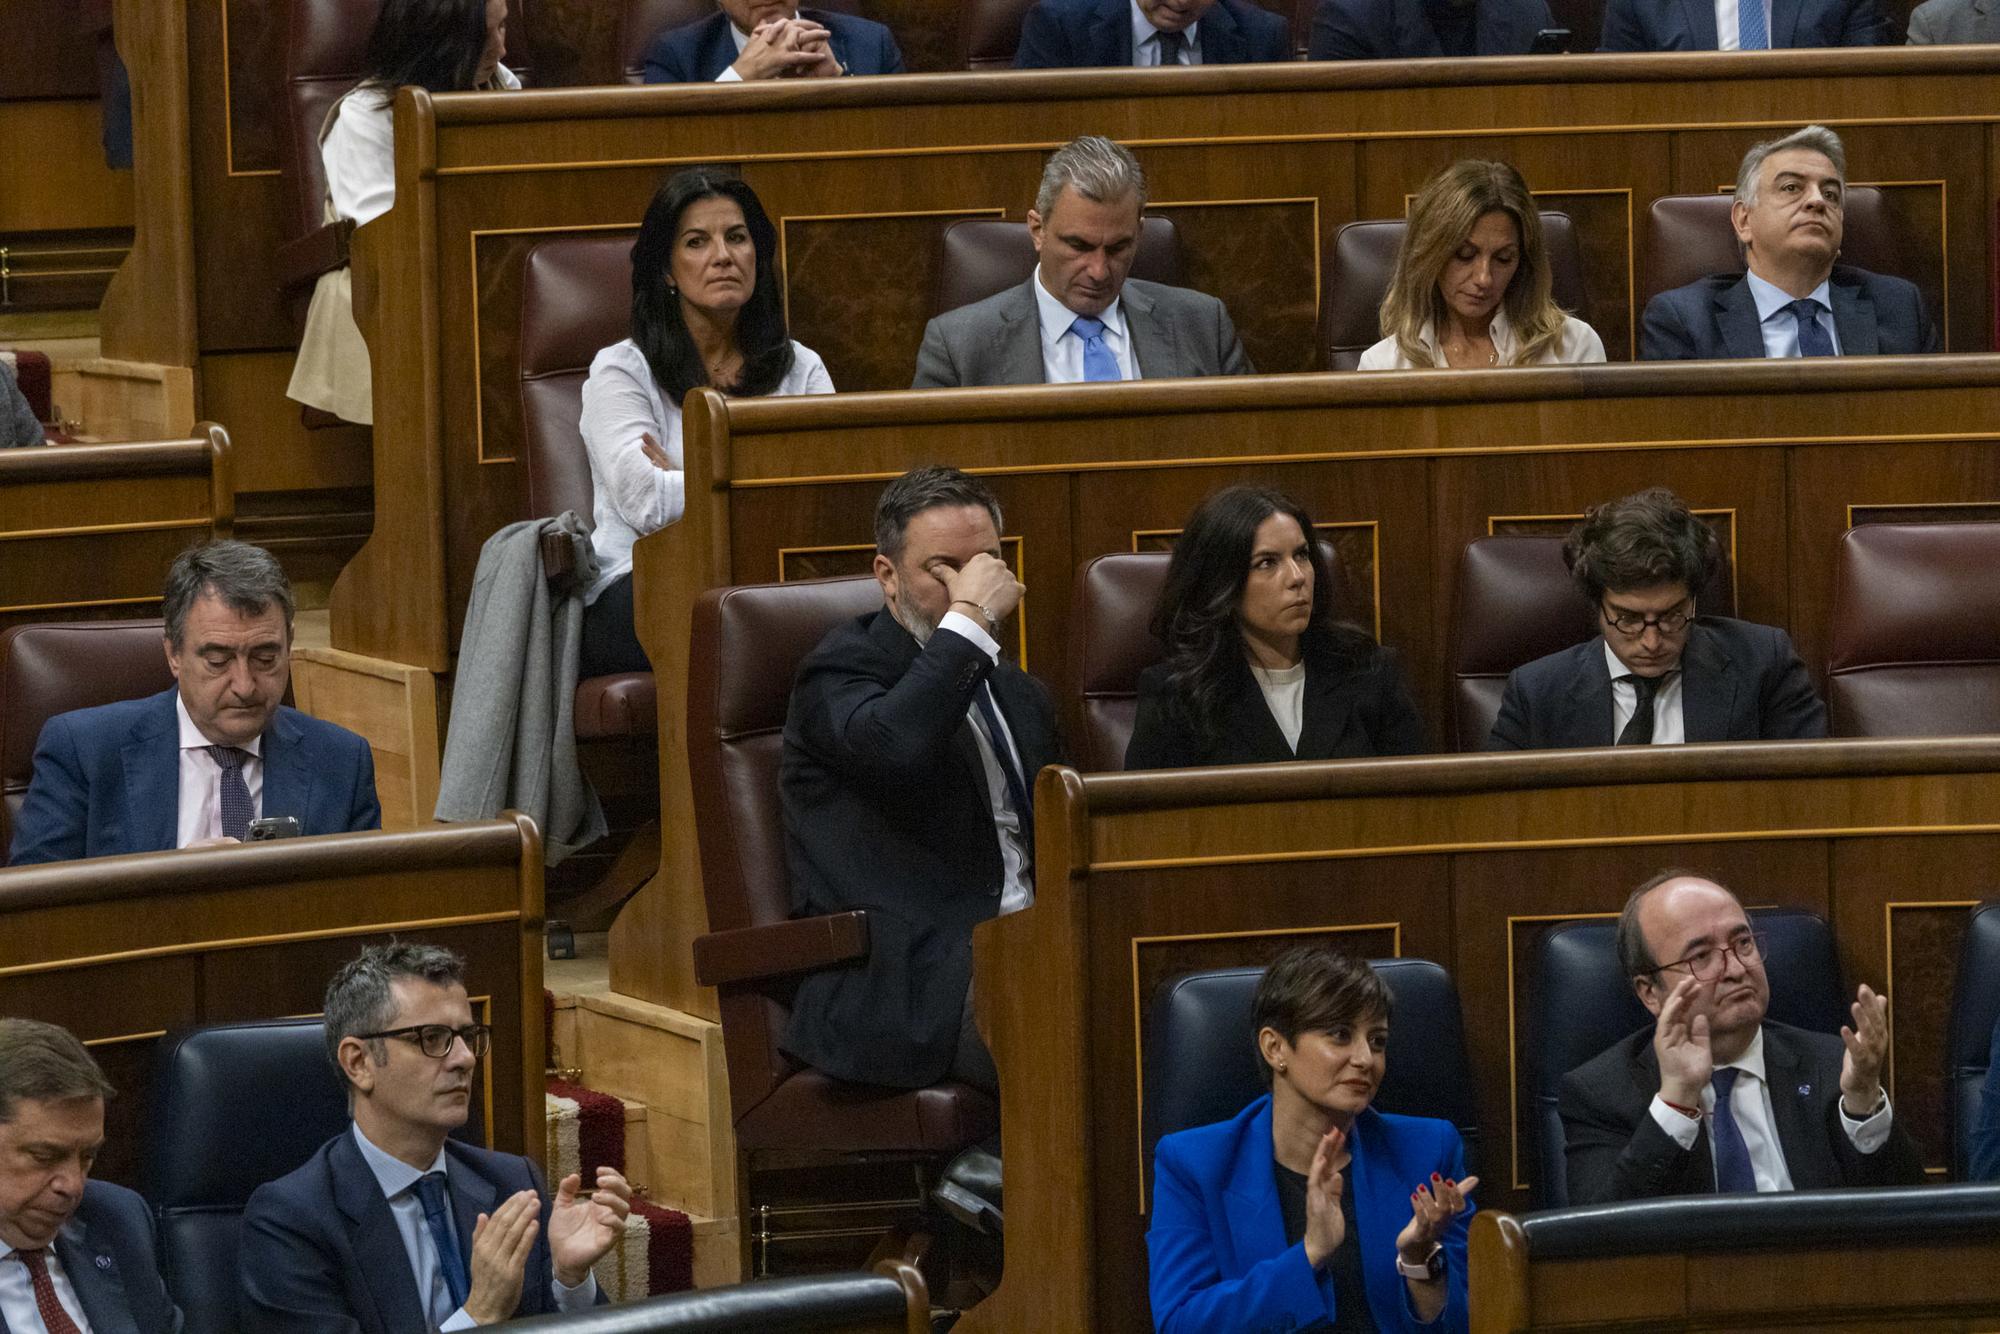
(458, 1320)
(729, 76)
(1681, 1128)
(966, 628)
(1869, 1135)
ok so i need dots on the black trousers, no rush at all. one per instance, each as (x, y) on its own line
(610, 636)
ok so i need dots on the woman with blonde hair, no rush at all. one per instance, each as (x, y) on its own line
(1472, 284)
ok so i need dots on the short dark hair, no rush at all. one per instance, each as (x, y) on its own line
(923, 489)
(1633, 955)
(1310, 988)
(248, 580)
(359, 998)
(1648, 538)
(434, 44)
(44, 1063)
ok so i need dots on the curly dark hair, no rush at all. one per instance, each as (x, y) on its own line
(1648, 538)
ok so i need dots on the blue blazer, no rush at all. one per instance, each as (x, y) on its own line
(107, 780)
(1217, 1241)
(1689, 25)
(1403, 29)
(1716, 317)
(1985, 1156)
(699, 52)
(107, 1252)
(1078, 34)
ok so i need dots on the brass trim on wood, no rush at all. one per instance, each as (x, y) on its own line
(251, 942)
(124, 1038)
(228, 114)
(92, 529)
(89, 602)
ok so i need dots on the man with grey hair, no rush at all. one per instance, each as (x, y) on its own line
(85, 1250)
(393, 1225)
(1794, 301)
(1078, 317)
(203, 760)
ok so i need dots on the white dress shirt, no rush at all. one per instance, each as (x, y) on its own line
(17, 1293)
(1285, 695)
(1729, 24)
(629, 496)
(742, 39)
(359, 150)
(1669, 718)
(1578, 343)
(1779, 326)
(1017, 889)
(1146, 41)
(201, 781)
(1062, 346)
(398, 1181)
(1750, 1104)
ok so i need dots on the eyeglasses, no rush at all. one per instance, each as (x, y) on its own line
(1631, 624)
(1708, 963)
(435, 1040)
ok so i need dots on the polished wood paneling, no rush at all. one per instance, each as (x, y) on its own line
(51, 51)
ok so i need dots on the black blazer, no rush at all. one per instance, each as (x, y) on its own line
(1740, 682)
(698, 52)
(1352, 711)
(886, 808)
(1076, 34)
(1616, 1151)
(1405, 30)
(1715, 318)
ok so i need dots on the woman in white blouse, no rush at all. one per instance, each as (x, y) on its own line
(706, 311)
(1471, 287)
(445, 46)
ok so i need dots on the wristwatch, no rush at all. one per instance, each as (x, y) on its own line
(1430, 1271)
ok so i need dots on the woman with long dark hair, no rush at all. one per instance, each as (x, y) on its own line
(706, 311)
(1258, 667)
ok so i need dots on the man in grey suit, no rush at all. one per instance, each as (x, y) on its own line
(1942, 22)
(1795, 301)
(1077, 318)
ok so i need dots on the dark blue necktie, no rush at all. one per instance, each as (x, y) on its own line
(1733, 1172)
(1751, 32)
(451, 1262)
(1098, 362)
(1017, 791)
(1813, 341)
(1172, 45)
(236, 808)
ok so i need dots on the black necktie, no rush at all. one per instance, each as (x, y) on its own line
(1017, 790)
(237, 808)
(1639, 732)
(1172, 44)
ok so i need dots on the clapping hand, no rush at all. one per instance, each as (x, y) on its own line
(1326, 1226)
(1867, 1043)
(583, 1227)
(1432, 1207)
(500, 1245)
(1680, 1041)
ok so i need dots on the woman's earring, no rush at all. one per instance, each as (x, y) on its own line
(1281, 1067)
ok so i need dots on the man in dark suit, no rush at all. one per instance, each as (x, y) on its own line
(74, 1253)
(1941, 22)
(1076, 34)
(771, 39)
(1426, 29)
(911, 749)
(1794, 301)
(1699, 25)
(393, 1226)
(1656, 673)
(1078, 318)
(1715, 1098)
(195, 764)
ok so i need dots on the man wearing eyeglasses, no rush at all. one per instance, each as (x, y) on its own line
(1715, 1097)
(392, 1226)
(1657, 672)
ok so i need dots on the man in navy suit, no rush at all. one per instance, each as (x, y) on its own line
(1740, 25)
(1075, 34)
(75, 1254)
(393, 1226)
(1794, 301)
(193, 765)
(1657, 673)
(771, 39)
(1426, 29)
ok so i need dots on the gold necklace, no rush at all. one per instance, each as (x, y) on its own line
(1465, 348)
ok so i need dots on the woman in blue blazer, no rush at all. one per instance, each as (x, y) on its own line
(1309, 1209)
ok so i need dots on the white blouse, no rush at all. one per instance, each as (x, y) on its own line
(359, 149)
(1576, 344)
(630, 496)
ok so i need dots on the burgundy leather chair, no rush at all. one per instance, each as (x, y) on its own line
(745, 646)
(1915, 640)
(985, 256)
(50, 669)
(644, 20)
(1517, 603)
(327, 42)
(992, 31)
(1364, 259)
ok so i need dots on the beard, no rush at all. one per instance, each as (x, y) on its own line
(914, 619)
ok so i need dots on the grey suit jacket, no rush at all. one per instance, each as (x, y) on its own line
(1175, 332)
(1938, 22)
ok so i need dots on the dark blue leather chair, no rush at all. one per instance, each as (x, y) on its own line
(233, 1106)
(1202, 1064)
(1583, 1003)
(823, 1304)
(1975, 1010)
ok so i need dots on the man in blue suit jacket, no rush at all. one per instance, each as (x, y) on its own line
(769, 39)
(1690, 25)
(1078, 34)
(1425, 29)
(195, 764)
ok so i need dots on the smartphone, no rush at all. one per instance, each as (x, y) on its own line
(1550, 42)
(273, 826)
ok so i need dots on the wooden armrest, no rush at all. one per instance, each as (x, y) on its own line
(758, 953)
(559, 560)
(321, 250)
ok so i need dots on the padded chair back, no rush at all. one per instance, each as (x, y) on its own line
(1111, 643)
(233, 1107)
(576, 298)
(1517, 603)
(1583, 1003)
(50, 669)
(821, 1304)
(1364, 259)
(1202, 1064)
(992, 31)
(1915, 641)
(643, 21)
(1975, 1011)
(984, 256)
(324, 49)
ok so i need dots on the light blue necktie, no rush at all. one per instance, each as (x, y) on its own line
(1751, 34)
(1098, 363)
(451, 1261)
(1813, 341)
(1733, 1171)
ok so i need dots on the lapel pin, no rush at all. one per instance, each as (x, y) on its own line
(104, 1262)
(1805, 1090)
